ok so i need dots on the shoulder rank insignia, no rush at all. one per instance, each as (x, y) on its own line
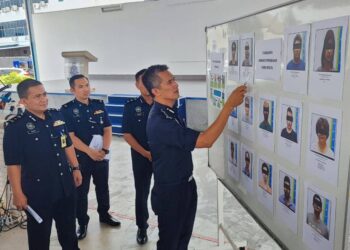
(58, 123)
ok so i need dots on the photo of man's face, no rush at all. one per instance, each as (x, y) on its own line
(265, 172)
(247, 106)
(286, 187)
(289, 120)
(233, 51)
(266, 110)
(232, 151)
(297, 48)
(246, 51)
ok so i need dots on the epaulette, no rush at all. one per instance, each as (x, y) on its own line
(66, 105)
(53, 109)
(131, 100)
(13, 120)
(97, 100)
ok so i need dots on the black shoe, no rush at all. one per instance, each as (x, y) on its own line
(82, 231)
(109, 220)
(141, 237)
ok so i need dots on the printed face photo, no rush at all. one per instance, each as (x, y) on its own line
(287, 190)
(247, 163)
(246, 52)
(318, 213)
(247, 114)
(323, 135)
(233, 53)
(266, 114)
(234, 112)
(296, 57)
(265, 176)
(327, 54)
(233, 153)
(290, 122)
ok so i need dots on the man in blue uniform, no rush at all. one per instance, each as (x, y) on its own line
(37, 149)
(134, 128)
(174, 194)
(87, 119)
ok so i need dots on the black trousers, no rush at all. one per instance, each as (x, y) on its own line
(63, 212)
(176, 207)
(99, 171)
(142, 169)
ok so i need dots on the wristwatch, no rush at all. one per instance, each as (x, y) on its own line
(105, 150)
(76, 168)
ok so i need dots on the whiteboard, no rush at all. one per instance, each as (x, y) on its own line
(271, 24)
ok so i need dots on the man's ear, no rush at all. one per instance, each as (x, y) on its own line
(155, 92)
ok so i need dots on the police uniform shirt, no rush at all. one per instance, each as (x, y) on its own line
(86, 120)
(171, 143)
(135, 119)
(38, 146)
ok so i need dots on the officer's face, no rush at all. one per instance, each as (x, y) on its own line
(36, 100)
(81, 89)
(168, 88)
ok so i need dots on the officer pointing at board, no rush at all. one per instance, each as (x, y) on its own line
(174, 194)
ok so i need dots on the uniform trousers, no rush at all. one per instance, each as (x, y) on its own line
(99, 171)
(142, 169)
(176, 207)
(63, 212)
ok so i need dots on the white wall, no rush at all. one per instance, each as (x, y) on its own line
(165, 31)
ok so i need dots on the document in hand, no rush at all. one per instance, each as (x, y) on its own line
(97, 144)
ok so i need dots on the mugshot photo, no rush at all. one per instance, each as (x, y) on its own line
(266, 114)
(234, 112)
(327, 54)
(247, 161)
(265, 176)
(318, 213)
(247, 52)
(290, 122)
(287, 190)
(233, 53)
(297, 46)
(247, 114)
(233, 152)
(323, 135)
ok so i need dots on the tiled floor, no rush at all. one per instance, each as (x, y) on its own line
(240, 225)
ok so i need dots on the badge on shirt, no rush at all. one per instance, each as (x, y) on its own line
(97, 112)
(76, 112)
(63, 141)
(31, 128)
(58, 123)
(138, 111)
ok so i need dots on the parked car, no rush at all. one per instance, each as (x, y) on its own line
(20, 71)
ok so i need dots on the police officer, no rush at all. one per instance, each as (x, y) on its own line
(174, 194)
(87, 118)
(134, 128)
(36, 149)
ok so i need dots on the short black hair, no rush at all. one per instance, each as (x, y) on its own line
(289, 109)
(297, 38)
(76, 77)
(317, 199)
(23, 86)
(322, 126)
(139, 73)
(150, 78)
(286, 179)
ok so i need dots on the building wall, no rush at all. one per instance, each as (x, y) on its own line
(165, 31)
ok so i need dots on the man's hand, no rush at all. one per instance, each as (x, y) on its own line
(148, 155)
(96, 155)
(236, 97)
(77, 177)
(20, 200)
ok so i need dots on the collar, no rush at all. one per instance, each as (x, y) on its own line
(36, 118)
(143, 101)
(80, 103)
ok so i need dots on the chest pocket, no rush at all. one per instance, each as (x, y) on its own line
(97, 117)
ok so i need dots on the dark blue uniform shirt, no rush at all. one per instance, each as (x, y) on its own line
(38, 146)
(171, 143)
(135, 119)
(85, 120)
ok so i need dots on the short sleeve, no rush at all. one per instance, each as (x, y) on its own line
(126, 125)
(106, 121)
(173, 134)
(12, 145)
(68, 120)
